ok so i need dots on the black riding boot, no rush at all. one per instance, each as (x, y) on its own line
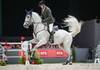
(51, 38)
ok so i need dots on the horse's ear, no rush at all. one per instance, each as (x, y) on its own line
(31, 10)
(26, 11)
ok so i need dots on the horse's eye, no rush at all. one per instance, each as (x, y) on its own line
(28, 17)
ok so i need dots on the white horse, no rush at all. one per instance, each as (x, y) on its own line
(41, 35)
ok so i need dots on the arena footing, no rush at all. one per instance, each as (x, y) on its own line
(55, 66)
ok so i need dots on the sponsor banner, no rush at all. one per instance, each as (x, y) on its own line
(49, 53)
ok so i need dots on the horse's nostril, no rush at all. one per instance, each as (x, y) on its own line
(26, 25)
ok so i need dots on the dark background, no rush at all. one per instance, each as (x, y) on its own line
(13, 13)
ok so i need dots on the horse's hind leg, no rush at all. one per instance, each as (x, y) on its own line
(67, 47)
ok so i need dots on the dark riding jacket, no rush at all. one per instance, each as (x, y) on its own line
(46, 16)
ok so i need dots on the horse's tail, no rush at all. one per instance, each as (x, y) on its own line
(77, 28)
(81, 24)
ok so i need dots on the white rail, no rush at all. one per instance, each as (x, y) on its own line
(10, 42)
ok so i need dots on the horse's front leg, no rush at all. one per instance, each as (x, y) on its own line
(33, 41)
(40, 43)
(27, 58)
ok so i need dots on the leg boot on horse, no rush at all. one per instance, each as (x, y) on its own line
(68, 61)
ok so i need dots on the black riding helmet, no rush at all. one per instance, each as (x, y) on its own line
(41, 2)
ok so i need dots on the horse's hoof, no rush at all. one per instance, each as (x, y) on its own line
(65, 63)
(27, 63)
(70, 63)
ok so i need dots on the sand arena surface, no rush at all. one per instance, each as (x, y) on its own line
(56, 66)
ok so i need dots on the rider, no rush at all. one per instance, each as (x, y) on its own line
(47, 18)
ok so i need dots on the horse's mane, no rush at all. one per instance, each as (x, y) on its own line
(36, 17)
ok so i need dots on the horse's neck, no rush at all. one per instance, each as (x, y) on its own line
(39, 27)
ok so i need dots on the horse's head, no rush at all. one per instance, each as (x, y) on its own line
(31, 17)
(28, 19)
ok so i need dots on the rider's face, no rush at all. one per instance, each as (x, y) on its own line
(41, 6)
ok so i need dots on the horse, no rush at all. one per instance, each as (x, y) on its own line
(97, 54)
(41, 35)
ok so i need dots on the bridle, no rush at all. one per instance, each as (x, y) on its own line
(33, 22)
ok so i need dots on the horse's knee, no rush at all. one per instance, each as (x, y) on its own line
(44, 41)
